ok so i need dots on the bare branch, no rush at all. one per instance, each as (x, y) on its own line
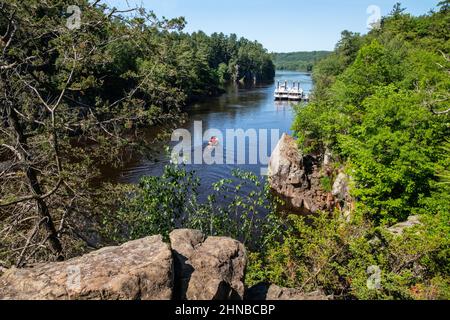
(440, 112)
(34, 197)
(14, 150)
(9, 66)
(30, 238)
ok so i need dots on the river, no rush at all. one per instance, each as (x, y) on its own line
(247, 108)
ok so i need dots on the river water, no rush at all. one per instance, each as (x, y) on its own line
(247, 108)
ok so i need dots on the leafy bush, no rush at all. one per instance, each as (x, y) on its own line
(341, 258)
(241, 208)
(380, 104)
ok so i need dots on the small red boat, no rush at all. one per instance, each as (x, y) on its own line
(213, 141)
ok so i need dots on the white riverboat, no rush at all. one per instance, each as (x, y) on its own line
(293, 93)
(281, 92)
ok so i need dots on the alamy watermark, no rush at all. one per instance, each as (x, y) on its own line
(73, 22)
(224, 147)
(374, 279)
(73, 280)
(374, 20)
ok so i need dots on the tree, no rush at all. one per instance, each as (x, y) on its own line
(384, 112)
(444, 6)
(348, 46)
(397, 10)
(75, 96)
(52, 91)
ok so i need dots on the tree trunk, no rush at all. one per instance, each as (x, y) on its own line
(34, 185)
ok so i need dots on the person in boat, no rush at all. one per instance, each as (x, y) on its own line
(213, 141)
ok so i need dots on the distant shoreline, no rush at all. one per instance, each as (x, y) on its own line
(298, 61)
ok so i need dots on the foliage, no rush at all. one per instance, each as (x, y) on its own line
(241, 208)
(75, 99)
(381, 104)
(298, 61)
(341, 258)
(326, 183)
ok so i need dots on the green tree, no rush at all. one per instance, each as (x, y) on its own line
(55, 84)
(75, 99)
(384, 113)
(397, 10)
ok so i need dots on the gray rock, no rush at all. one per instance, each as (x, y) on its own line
(273, 292)
(297, 177)
(212, 269)
(140, 269)
(340, 186)
(327, 157)
(399, 228)
(341, 193)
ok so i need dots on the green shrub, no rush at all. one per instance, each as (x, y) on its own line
(242, 208)
(324, 252)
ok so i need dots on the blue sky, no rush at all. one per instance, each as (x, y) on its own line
(280, 25)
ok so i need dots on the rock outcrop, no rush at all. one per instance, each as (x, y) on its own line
(183, 243)
(399, 228)
(140, 269)
(211, 269)
(341, 195)
(297, 177)
(273, 292)
(192, 267)
(301, 179)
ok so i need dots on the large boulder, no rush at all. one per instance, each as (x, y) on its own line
(198, 268)
(184, 242)
(297, 177)
(208, 269)
(140, 269)
(274, 292)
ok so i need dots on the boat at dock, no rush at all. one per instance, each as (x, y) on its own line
(281, 92)
(293, 93)
(306, 97)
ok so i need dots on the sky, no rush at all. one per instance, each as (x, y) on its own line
(280, 25)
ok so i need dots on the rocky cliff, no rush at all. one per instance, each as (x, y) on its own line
(192, 267)
(300, 179)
